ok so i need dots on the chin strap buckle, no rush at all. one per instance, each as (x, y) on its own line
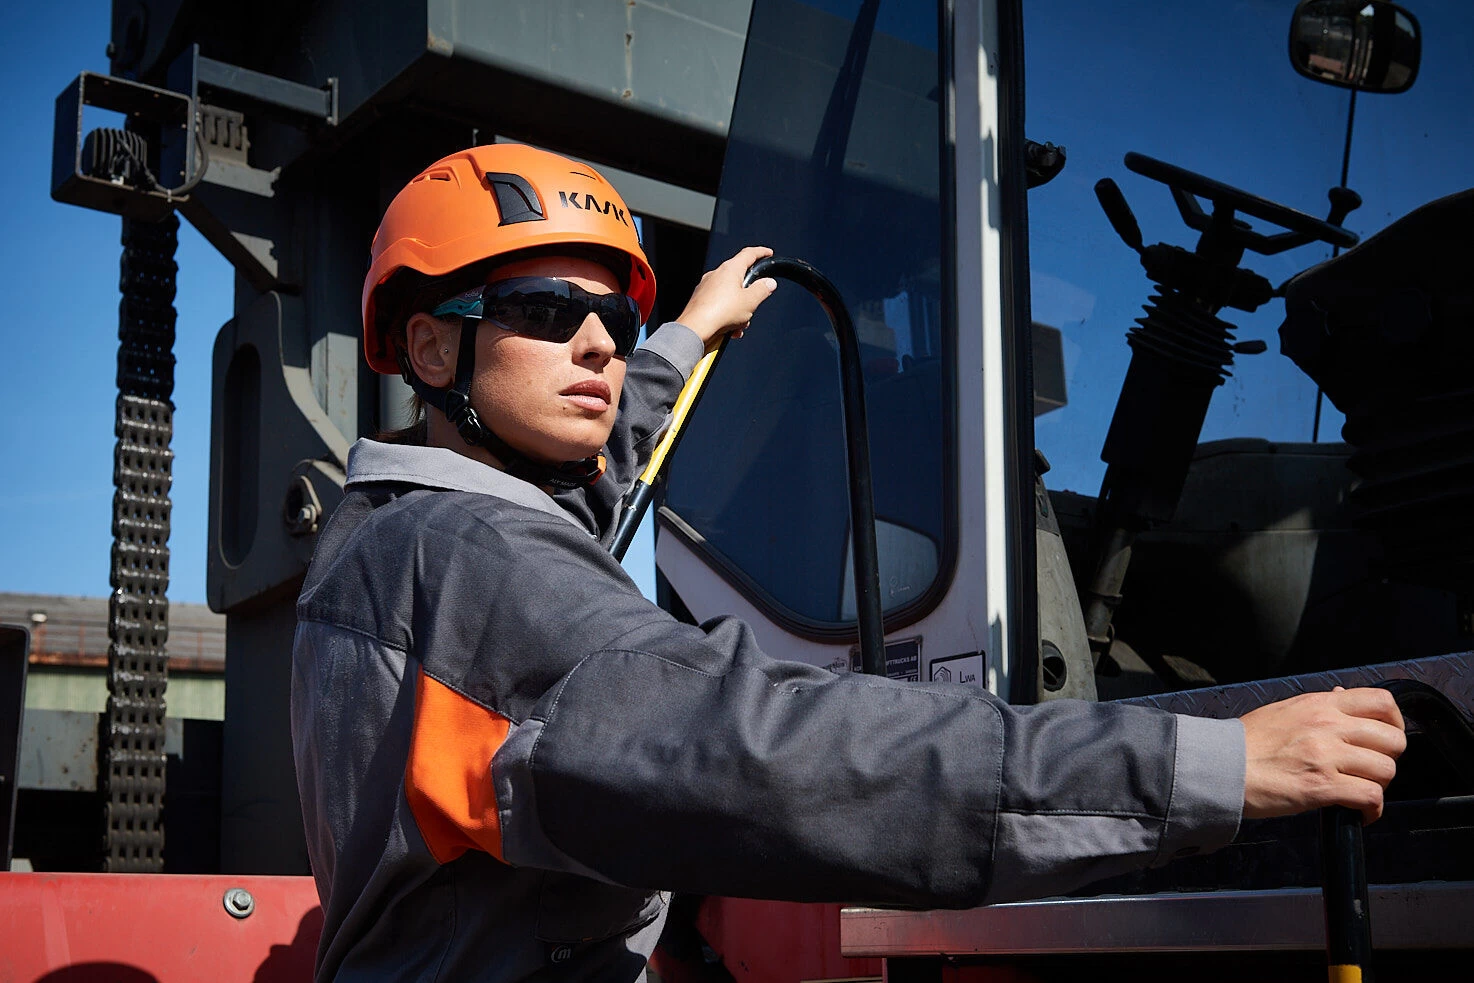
(574, 474)
(463, 416)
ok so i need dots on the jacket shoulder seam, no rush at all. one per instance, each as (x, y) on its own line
(535, 516)
(352, 630)
(649, 655)
(553, 710)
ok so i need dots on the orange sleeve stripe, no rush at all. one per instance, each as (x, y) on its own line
(448, 777)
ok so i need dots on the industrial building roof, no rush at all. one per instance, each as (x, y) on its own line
(72, 631)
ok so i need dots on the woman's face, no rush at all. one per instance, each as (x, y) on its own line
(552, 401)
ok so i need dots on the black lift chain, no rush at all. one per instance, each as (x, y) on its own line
(138, 611)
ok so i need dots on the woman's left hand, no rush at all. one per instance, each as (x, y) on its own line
(721, 304)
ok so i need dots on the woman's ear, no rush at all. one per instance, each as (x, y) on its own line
(431, 345)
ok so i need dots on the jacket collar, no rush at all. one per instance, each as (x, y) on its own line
(444, 469)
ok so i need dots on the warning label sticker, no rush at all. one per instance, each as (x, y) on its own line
(958, 669)
(902, 659)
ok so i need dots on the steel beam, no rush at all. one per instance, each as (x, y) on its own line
(1428, 915)
(268, 89)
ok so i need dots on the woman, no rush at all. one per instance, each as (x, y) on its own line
(505, 753)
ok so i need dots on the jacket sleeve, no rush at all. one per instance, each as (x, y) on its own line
(654, 375)
(668, 756)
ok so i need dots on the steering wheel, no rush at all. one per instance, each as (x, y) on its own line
(1185, 185)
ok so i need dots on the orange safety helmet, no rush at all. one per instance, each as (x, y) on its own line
(491, 201)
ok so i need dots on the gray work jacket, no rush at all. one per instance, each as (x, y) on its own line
(506, 754)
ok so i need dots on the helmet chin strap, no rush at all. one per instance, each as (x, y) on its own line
(455, 403)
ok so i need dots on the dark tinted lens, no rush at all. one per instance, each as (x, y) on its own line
(551, 309)
(537, 307)
(621, 317)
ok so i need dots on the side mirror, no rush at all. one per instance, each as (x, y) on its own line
(1371, 45)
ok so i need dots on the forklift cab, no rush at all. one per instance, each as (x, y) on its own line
(886, 144)
(844, 151)
(1106, 466)
(1231, 550)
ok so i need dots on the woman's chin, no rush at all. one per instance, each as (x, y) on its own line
(569, 447)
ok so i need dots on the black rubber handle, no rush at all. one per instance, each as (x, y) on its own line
(1342, 854)
(857, 447)
(1344, 893)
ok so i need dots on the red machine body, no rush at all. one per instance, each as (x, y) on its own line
(138, 928)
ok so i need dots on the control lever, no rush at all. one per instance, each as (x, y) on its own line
(1181, 352)
(1342, 853)
(1344, 201)
(1116, 209)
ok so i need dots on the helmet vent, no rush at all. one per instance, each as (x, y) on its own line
(515, 198)
(440, 174)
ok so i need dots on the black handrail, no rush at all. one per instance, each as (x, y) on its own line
(857, 447)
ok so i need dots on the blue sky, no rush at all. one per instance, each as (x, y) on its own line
(1204, 86)
(1209, 87)
(61, 337)
(61, 340)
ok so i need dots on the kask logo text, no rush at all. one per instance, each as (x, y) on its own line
(588, 203)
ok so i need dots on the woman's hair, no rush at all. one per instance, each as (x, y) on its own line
(416, 434)
(406, 294)
(409, 292)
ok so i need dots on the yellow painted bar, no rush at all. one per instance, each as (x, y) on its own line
(680, 411)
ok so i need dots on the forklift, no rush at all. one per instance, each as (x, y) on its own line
(1058, 511)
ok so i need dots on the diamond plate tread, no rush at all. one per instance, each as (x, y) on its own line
(1453, 675)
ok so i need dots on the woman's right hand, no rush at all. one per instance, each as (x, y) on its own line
(1322, 749)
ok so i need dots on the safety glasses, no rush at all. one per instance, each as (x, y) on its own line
(548, 309)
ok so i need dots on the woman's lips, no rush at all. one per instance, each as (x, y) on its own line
(591, 394)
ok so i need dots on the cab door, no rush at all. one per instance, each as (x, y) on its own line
(880, 140)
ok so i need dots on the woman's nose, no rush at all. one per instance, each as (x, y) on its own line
(593, 341)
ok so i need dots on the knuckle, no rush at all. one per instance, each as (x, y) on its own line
(1329, 721)
(1319, 748)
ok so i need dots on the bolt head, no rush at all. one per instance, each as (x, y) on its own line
(239, 903)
